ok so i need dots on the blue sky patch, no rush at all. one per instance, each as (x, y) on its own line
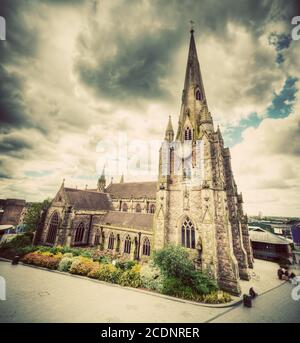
(280, 42)
(283, 103)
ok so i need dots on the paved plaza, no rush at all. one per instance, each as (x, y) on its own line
(35, 295)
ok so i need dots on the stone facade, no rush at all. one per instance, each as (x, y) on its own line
(194, 203)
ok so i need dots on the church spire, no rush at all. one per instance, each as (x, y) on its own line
(169, 136)
(193, 95)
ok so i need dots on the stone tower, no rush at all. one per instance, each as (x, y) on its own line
(198, 205)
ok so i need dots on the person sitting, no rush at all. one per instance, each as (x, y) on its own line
(285, 275)
(280, 273)
(252, 293)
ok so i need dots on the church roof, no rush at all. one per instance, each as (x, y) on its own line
(87, 200)
(132, 189)
(143, 221)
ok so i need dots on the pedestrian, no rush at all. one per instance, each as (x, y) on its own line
(280, 273)
(285, 275)
(252, 293)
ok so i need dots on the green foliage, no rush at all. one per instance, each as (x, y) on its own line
(151, 278)
(219, 297)
(65, 263)
(82, 265)
(126, 264)
(175, 287)
(109, 273)
(131, 277)
(202, 284)
(174, 261)
(181, 278)
(16, 245)
(32, 215)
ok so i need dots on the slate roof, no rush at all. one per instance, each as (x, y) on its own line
(132, 189)
(87, 200)
(265, 236)
(143, 221)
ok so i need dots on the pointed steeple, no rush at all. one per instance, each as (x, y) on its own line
(193, 95)
(193, 77)
(101, 182)
(122, 179)
(169, 135)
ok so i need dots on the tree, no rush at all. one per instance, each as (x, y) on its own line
(33, 213)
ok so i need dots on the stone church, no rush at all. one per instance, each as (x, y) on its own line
(196, 205)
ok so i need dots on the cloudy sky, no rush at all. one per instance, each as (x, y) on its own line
(75, 74)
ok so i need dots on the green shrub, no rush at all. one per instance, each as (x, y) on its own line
(151, 278)
(219, 297)
(173, 261)
(175, 287)
(65, 263)
(131, 277)
(126, 264)
(202, 284)
(82, 265)
(109, 273)
(180, 274)
(16, 245)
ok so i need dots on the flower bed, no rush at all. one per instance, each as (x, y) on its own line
(44, 260)
(170, 272)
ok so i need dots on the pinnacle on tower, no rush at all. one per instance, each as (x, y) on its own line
(169, 136)
(101, 181)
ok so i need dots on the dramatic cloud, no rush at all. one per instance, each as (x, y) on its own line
(75, 74)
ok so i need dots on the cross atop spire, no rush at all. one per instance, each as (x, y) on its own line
(192, 26)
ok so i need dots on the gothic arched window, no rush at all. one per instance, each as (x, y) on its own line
(187, 134)
(127, 245)
(124, 207)
(146, 247)
(188, 234)
(152, 208)
(198, 95)
(111, 241)
(53, 226)
(138, 208)
(79, 233)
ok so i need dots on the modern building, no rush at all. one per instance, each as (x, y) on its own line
(268, 246)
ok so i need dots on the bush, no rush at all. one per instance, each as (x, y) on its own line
(151, 278)
(219, 297)
(42, 260)
(173, 261)
(175, 287)
(181, 278)
(202, 284)
(109, 273)
(82, 265)
(131, 277)
(16, 245)
(65, 263)
(126, 264)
